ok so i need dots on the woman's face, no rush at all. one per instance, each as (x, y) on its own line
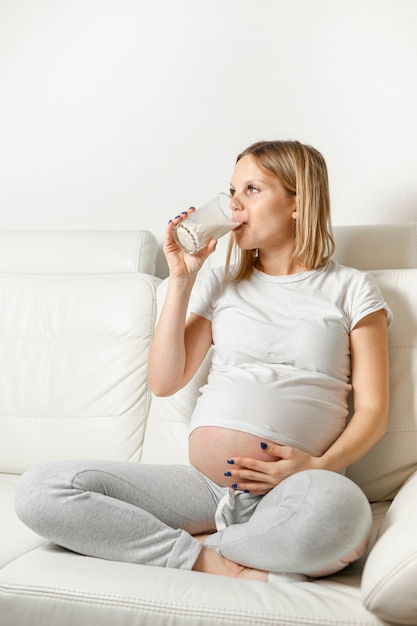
(261, 205)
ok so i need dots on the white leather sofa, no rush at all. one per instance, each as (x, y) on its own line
(77, 311)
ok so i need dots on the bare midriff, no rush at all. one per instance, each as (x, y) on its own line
(210, 447)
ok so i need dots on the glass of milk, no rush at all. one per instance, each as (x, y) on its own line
(210, 221)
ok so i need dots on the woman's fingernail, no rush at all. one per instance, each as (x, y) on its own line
(227, 473)
(176, 217)
(246, 491)
(234, 486)
(264, 445)
(230, 461)
(169, 221)
(184, 212)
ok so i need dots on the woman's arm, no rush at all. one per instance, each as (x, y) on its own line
(178, 346)
(370, 385)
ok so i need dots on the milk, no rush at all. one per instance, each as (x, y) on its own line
(192, 236)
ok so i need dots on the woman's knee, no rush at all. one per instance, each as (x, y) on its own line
(340, 521)
(345, 503)
(38, 491)
(322, 518)
(335, 503)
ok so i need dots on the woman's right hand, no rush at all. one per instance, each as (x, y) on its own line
(180, 263)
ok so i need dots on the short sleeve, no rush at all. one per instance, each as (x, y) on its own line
(367, 299)
(205, 293)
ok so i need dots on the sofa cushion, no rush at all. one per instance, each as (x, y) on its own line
(73, 353)
(52, 587)
(76, 319)
(394, 458)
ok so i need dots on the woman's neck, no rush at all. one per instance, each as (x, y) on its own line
(278, 264)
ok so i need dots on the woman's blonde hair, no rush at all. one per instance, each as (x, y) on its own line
(302, 171)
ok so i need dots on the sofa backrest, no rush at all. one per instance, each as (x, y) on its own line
(77, 311)
(390, 251)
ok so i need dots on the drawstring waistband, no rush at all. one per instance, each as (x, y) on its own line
(227, 503)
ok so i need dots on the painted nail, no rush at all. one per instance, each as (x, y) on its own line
(169, 221)
(264, 445)
(230, 461)
(227, 473)
(234, 486)
(184, 212)
(246, 491)
(176, 217)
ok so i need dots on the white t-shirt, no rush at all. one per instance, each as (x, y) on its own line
(281, 357)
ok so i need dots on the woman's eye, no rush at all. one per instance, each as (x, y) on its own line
(253, 189)
(231, 192)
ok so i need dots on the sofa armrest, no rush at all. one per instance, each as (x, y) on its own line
(390, 573)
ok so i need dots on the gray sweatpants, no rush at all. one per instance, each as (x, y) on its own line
(314, 522)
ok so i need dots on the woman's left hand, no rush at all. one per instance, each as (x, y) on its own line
(259, 477)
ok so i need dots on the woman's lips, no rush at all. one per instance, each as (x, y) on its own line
(239, 227)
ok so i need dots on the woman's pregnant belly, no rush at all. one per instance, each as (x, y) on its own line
(241, 407)
(210, 447)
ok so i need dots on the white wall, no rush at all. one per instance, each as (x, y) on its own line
(120, 113)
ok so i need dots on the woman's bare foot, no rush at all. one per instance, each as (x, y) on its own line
(211, 562)
(249, 573)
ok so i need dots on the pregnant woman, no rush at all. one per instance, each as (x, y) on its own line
(292, 333)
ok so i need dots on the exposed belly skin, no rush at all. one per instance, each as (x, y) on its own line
(210, 447)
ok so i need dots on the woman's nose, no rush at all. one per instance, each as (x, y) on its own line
(235, 203)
